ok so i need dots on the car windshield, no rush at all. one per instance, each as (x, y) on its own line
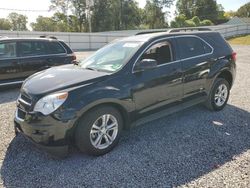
(112, 57)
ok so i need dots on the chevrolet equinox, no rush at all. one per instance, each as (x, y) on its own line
(89, 103)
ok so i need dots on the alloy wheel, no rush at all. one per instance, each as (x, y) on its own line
(221, 95)
(104, 131)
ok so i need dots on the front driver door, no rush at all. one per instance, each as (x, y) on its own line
(9, 65)
(159, 86)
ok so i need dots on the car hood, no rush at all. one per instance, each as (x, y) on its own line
(59, 78)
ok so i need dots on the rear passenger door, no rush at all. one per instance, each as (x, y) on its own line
(195, 56)
(32, 56)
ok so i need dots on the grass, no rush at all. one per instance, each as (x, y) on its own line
(243, 40)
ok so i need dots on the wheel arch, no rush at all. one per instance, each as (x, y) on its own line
(227, 75)
(121, 108)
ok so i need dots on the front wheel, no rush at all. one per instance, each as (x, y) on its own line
(219, 95)
(98, 132)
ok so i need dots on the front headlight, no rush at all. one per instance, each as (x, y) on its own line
(50, 103)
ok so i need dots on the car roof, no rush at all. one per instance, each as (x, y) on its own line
(26, 39)
(151, 36)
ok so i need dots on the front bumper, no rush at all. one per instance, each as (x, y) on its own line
(47, 132)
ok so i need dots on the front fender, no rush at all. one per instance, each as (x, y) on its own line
(84, 101)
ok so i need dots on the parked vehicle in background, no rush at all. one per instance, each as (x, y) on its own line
(22, 57)
(135, 77)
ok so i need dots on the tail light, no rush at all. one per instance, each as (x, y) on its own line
(74, 57)
(234, 56)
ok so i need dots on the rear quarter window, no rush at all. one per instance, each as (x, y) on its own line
(56, 48)
(69, 51)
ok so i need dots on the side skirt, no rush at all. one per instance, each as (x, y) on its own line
(168, 111)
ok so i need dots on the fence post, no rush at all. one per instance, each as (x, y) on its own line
(69, 39)
(90, 46)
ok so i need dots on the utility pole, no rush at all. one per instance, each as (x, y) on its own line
(89, 5)
(121, 15)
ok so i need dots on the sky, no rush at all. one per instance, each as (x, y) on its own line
(43, 6)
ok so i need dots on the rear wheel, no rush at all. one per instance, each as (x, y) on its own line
(219, 95)
(98, 132)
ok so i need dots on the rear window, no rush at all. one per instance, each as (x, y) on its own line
(56, 48)
(7, 50)
(192, 47)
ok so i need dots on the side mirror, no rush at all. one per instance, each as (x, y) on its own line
(145, 64)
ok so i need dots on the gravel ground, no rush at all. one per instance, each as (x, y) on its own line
(192, 148)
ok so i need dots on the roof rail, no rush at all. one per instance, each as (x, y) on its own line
(148, 32)
(187, 29)
(50, 37)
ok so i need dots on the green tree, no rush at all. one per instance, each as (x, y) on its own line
(5, 24)
(130, 15)
(115, 15)
(244, 11)
(44, 24)
(182, 21)
(190, 23)
(204, 9)
(221, 18)
(79, 11)
(179, 21)
(196, 20)
(61, 22)
(206, 23)
(58, 22)
(18, 21)
(186, 8)
(102, 19)
(62, 6)
(154, 16)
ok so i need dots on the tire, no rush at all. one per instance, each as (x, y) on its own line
(219, 104)
(90, 138)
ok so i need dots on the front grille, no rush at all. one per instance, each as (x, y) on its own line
(26, 98)
(24, 104)
(20, 114)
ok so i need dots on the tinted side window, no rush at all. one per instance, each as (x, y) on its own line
(32, 48)
(7, 50)
(56, 48)
(161, 52)
(69, 51)
(207, 48)
(190, 47)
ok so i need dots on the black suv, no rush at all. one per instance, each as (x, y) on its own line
(139, 77)
(22, 57)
